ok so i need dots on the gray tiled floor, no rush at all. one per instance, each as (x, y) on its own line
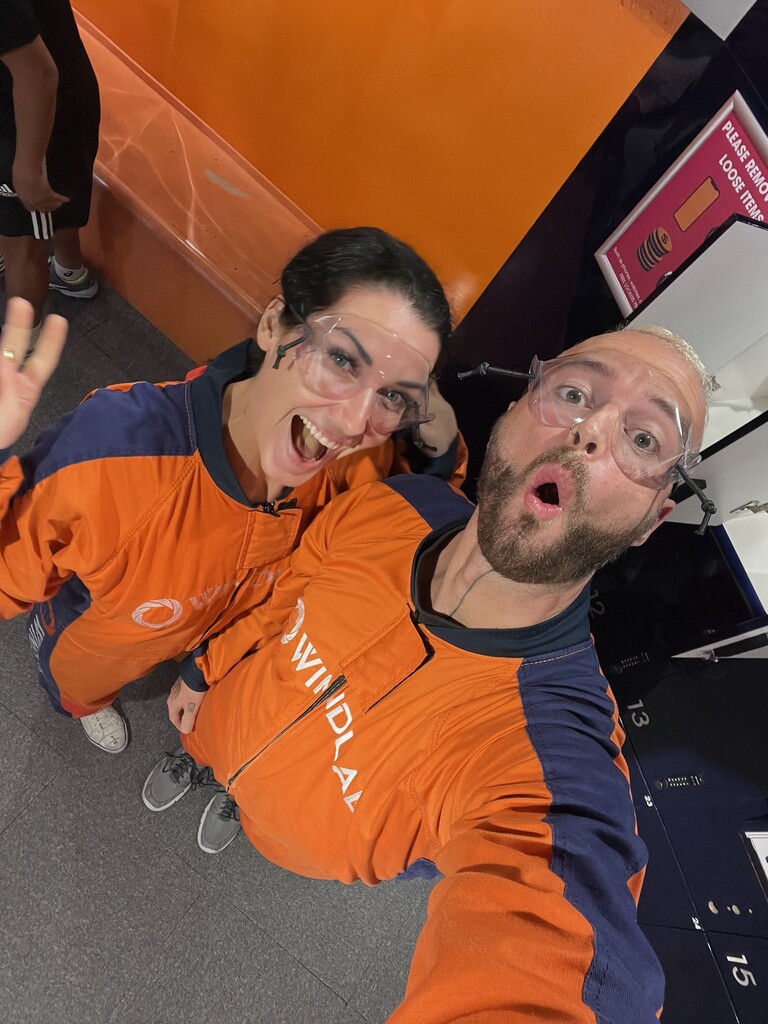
(110, 914)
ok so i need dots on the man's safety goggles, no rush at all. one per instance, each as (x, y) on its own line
(639, 407)
(648, 422)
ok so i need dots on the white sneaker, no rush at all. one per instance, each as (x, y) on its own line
(107, 730)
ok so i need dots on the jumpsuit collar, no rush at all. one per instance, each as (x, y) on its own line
(207, 393)
(566, 629)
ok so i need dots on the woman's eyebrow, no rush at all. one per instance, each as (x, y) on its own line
(361, 351)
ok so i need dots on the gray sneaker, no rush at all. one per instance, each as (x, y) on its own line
(219, 825)
(169, 780)
(82, 287)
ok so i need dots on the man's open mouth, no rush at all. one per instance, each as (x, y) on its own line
(308, 440)
(550, 491)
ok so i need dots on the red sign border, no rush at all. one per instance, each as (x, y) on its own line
(738, 105)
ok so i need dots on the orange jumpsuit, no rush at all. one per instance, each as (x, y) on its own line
(369, 738)
(128, 536)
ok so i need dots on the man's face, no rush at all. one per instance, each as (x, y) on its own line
(554, 504)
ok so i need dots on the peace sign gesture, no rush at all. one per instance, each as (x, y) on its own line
(22, 382)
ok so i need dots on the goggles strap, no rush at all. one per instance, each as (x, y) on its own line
(282, 349)
(485, 368)
(418, 441)
(708, 506)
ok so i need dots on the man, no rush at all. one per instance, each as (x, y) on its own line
(49, 126)
(426, 695)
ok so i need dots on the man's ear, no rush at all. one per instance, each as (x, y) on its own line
(664, 511)
(270, 329)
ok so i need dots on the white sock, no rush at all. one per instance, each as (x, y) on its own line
(69, 274)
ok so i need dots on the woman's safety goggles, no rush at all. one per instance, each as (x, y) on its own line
(342, 356)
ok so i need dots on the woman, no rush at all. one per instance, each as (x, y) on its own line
(154, 515)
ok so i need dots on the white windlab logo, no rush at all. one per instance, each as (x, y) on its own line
(295, 623)
(173, 608)
(337, 711)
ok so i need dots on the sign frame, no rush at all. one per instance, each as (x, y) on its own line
(737, 105)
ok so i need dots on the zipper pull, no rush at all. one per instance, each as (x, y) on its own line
(269, 508)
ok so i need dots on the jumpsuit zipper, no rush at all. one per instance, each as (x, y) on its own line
(335, 686)
(271, 508)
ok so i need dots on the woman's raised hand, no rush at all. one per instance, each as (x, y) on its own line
(22, 379)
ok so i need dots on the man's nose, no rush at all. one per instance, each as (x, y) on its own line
(594, 434)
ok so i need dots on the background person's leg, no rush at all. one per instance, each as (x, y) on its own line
(23, 238)
(68, 275)
(66, 247)
(26, 270)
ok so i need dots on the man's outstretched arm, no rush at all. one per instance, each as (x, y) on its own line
(535, 919)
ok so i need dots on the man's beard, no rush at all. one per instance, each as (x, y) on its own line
(509, 545)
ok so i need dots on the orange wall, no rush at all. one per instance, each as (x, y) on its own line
(449, 122)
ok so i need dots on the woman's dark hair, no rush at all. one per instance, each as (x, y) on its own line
(325, 269)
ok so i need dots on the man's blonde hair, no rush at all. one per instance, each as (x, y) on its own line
(686, 350)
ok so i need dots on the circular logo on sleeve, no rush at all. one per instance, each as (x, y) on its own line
(158, 614)
(294, 623)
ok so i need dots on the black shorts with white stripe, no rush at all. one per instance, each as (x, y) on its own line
(70, 172)
(16, 221)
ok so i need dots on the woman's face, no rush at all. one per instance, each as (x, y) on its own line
(294, 430)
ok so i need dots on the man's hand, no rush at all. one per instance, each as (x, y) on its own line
(21, 383)
(34, 190)
(183, 705)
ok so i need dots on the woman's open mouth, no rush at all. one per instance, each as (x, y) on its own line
(309, 442)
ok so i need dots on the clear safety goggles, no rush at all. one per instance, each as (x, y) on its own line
(340, 356)
(649, 424)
